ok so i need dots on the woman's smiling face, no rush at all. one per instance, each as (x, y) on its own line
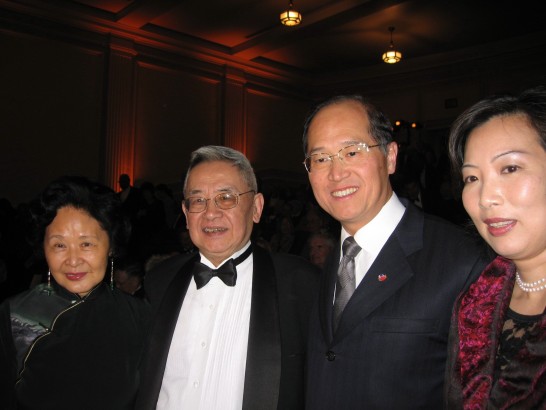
(504, 174)
(76, 249)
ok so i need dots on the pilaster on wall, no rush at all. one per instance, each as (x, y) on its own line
(234, 106)
(119, 150)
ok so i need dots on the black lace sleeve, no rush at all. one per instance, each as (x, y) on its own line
(515, 333)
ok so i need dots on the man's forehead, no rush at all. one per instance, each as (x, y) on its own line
(216, 176)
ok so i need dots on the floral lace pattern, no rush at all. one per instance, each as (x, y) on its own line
(515, 333)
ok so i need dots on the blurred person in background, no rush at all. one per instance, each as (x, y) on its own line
(129, 275)
(321, 245)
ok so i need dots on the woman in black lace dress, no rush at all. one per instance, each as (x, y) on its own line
(498, 336)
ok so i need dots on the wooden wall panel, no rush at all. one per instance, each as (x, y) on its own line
(67, 107)
(50, 113)
(176, 112)
(274, 128)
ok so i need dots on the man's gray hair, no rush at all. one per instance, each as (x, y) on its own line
(210, 153)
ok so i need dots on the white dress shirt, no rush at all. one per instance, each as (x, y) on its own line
(207, 359)
(373, 236)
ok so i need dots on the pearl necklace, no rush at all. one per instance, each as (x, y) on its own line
(530, 286)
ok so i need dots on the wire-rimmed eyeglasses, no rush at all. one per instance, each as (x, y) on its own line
(351, 154)
(224, 200)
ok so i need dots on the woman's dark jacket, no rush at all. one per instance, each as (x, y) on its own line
(60, 351)
(476, 327)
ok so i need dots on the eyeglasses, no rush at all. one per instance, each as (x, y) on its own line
(350, 155)
(225, 200)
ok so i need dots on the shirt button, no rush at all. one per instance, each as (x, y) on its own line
(196, 384)
(331, 356)
(211, 307)
(203, 344)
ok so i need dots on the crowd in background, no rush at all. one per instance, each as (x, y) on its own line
(292, 222)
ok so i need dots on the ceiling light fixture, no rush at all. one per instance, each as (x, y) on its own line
(392, 56)
(290, 17)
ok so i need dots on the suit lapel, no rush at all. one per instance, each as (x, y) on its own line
(372, 292)
(263, 363)
(162, 332)
(327, 290)
(391, 265)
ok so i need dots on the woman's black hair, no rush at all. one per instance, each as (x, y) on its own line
(531, 104)
(97, 200)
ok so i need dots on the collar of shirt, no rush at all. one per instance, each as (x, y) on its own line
(208, 263)
(244, 269)
(373, 236)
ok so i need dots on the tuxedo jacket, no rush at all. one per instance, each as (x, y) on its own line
(283, 290)
(390, 347)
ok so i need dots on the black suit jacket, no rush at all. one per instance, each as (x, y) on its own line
(283, 290)
(390, 348)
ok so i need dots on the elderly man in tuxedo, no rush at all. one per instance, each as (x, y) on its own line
(379, 333)
(231, 321)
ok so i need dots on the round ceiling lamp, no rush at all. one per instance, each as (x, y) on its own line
(291, 17)
(392, 56)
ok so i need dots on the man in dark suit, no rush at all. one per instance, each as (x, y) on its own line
(385, 346)
(238, 344)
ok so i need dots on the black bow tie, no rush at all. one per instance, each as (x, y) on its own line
(202, 274)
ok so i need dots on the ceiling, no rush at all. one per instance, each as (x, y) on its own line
(334, 37)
